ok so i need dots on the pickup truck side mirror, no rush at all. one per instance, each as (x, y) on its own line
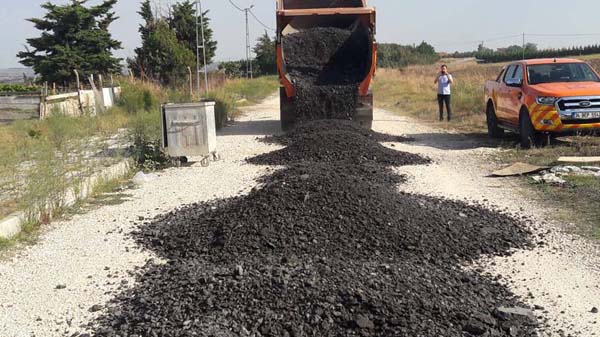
(513, 82)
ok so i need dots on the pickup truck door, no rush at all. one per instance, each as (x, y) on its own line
(513, 97)
(502, 100)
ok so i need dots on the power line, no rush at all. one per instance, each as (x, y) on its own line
(259, 21)
(253, 15)
(516, 36)
(565, 35)
(479, 41)
(236, 6)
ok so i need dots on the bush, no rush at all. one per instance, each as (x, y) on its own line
(224, 106)
(18, 88)
(391, 55)
(140, 96)
(145, 136)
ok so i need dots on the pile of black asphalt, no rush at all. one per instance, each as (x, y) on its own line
(325, 246)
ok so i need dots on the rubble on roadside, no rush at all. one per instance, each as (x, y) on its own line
(557, 174)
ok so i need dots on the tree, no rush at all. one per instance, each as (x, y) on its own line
(141, 64)
(169, 58)
(234, 69)
(425, 49)
(183, 22)
(168, 44)
(392, 55)
(265, 55)
(73, 37)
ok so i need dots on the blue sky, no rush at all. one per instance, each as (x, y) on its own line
(448, 25)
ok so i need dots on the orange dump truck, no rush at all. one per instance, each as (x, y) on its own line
(296, 16)
(543, 96)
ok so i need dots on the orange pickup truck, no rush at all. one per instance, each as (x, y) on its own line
(544, 96)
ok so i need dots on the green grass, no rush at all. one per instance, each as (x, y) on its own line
(548, 155)
(18, 88)
(29, 235)
(578, 201)
(38, 156)
(240, 92)
(105, 192)
(42, 160)
(251, 91)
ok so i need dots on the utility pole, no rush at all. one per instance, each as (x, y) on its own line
(200, 35)
(523, 46)
(248, 48)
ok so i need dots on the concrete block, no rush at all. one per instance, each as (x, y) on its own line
(11, 225)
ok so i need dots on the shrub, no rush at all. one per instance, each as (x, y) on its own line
(140, 96)
(18, 88)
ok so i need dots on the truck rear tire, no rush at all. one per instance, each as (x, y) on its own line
(286, 111)
(494, 129)
(528, 135)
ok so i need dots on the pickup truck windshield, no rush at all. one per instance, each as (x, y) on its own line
(561, 72)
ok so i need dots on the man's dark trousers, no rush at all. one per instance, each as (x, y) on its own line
(445, 99)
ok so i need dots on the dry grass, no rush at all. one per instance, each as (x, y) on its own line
(411, 92)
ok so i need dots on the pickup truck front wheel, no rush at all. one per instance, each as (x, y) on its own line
(494, 130)
(529, 137)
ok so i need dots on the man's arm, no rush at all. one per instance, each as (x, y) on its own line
(437, 78)
(450, 79)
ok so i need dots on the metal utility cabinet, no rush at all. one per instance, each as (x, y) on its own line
(189, 130)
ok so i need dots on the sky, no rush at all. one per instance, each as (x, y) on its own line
(459, 25)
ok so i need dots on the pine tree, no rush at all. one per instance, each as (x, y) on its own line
(265, 55)
(140, 65)
(73, 37)
(168, 44)
(183, 22)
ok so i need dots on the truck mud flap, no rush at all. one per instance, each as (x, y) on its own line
(364, 111)
(287, 114)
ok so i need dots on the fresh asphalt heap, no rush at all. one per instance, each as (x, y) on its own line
(327, 65)
(326, 246)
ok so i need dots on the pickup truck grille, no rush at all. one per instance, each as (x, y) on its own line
(579, 109)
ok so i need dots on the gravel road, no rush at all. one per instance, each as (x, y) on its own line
(61, 283)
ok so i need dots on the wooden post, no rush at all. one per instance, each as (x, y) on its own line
(191, 83)
(78, 91)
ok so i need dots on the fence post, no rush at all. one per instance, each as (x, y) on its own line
(191, 83)
(78, 91)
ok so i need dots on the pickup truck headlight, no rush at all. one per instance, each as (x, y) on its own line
(545, 100)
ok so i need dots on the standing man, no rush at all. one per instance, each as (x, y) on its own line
(444, 80)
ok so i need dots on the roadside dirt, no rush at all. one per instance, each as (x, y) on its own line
(8, 116)
(94, 257)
